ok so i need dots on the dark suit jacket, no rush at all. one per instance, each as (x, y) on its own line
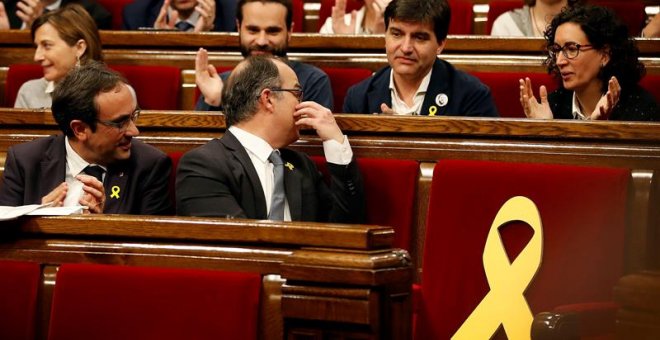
(219, 179)
(466, 95)
(635, 104)
(101, 16)
(34, 169)
(143, 13)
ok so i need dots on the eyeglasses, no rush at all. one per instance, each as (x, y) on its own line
(123, 123)
(296, 92)
(570, 50)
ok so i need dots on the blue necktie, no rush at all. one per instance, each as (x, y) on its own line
(277, 200)
(183, 26)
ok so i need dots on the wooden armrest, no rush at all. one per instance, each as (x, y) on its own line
(575, 321)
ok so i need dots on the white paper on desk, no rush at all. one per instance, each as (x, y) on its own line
(8, 213)
(56, 211)
(74, 193)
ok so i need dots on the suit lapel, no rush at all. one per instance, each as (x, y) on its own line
(438, 93)
(53, 166)
(240, 155)
(292, 186)
(379, 92)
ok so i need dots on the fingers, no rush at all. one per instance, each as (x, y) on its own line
(206, 10)
(543, 93)
(386, 110)
(57, 196)
(615, 89)
(320, 119)
(29, 10)
(201, 62)
(4, 19)
(93, 194)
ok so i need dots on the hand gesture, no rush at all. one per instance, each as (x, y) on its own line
(339, 25)
(29, 10)
(532, 108)
(607, 102)
(163, 21)
(4, 19)
(207, 79)
(320, 119)
(57, 196)
(93, 194)
(206, 10)
(386, 110)
(378, 25)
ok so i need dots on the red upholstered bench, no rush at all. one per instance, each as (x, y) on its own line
(116, 8)
(504, 87)
(120, 302)
(157, 87)
(390, 186)
(583, 213)
(19, 284)
(343, 78)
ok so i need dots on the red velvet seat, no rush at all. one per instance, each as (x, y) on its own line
(343, 78)
(298, 17)
(157, 87)
(504, 87)
(121, 302)
(651, 83)
(582, 212)
(390, 188)
(116, 8)
(19, 284)
(461, 17)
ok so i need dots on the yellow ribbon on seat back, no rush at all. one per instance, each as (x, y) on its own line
(505, 303)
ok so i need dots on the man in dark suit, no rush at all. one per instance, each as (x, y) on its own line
(22, 13)
(182, 15)
(248, 173)
(96, 163)
(416, 82)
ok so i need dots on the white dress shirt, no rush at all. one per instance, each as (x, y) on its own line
(74, 165)
(399, 105)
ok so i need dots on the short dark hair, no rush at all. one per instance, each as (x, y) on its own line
(285, 3)
(74, 97)
(434, 12)
(605, 32)
(243, 88)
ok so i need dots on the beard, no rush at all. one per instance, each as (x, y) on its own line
(246, 51)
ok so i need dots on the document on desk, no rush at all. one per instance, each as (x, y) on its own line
(8, 213)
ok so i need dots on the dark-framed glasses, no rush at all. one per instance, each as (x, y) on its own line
(570, 50)
(296, 92)
(122, 123)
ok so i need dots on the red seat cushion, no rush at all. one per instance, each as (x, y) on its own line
(343, 78)
(116, 8)
(17, 75)
(582, 211)
(651, 83)
(461, 16)
(157, 87)
(390, 188)
(630, 12)
(120, 302)
(504, 87)
(19, 283)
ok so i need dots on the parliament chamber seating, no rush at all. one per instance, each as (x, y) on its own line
(390, 186)
(116, 8)
(497, 8)
(19, 285)
(583, 217)
(156, 87)
(93, 301)
(341, 79)
(504, 87)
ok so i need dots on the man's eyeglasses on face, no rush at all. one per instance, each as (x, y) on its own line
(570, 50)
(296, 92)
(123, 123)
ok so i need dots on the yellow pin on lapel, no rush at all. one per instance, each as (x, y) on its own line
(433, 110)
(289, 165)
(115, 192)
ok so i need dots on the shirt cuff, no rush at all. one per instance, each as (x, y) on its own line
(338, 153)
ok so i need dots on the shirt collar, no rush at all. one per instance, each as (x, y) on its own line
(50, 87)
(75, 163)
(252, 143)
(399, 106)
(423, 86)
(192, 19)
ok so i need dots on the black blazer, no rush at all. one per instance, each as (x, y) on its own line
(218, 179)
(34, 169)
(635, 104)
(101, 16)
(465, 94)
(143, 13)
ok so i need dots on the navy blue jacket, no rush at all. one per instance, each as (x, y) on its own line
(465, 94)
(101, 16)
(143, 13)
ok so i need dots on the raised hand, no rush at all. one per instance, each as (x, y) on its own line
(29, 10)
(4, 19)
(206, 10)
(339, 25)
(207, 79)
(378, 25)
(532, 108)
(320, 119)
(93, 194)
(607, 102)
(165, 21)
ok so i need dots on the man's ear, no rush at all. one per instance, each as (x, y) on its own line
(80, 129)
(266, 100)
(441, 47)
